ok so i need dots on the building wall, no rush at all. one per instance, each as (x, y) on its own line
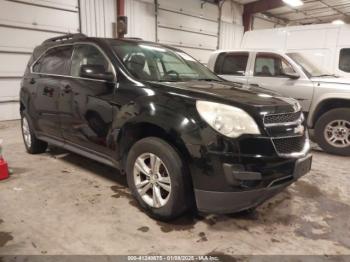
(97, 17)
(23, 25)
(191, 25)
(231, 25)
(141, 19)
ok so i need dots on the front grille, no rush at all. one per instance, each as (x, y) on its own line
(282, 118)
(288, 145)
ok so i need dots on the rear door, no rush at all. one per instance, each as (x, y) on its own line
(269, 71)
(49, 72)
(232, 66)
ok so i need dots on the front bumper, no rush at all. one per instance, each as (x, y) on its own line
(250, 194)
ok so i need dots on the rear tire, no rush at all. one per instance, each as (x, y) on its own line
(332, 131)
(159, 179)
(31, 143)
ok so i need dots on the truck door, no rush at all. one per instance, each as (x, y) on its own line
(232, 66)
(273, 72)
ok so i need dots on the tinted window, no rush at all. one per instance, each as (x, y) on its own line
(344, 60)
(233, 64)
(55, 61)
(88, 55)
(270, 65)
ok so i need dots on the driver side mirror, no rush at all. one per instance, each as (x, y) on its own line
(292, 75)
(97, 72)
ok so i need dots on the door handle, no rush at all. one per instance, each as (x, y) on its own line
(67, 89)
(48, 90)
(32, 81)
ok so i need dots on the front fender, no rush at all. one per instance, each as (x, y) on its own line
(180, 125)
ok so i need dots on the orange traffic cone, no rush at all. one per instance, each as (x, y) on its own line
(4, 171)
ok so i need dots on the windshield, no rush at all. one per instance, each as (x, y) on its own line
(309, 68)
(157, 63)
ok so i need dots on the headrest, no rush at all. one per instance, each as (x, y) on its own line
(137, 62)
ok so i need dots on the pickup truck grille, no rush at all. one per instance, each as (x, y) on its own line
(288, 145)
(282, 118)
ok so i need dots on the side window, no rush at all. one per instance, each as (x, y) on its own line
(88, 55)
(344, 60)
(55, 61)
(233, 64)
(271, 65)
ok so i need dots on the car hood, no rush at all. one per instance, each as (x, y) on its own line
(232, 93)
(334, 80)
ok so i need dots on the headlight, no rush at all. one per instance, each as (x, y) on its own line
(227, 120)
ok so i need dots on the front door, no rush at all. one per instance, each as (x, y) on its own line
(270, 72)
(86, 114)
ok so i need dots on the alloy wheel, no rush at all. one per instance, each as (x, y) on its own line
(26, 132)
(152, 180)
(337, 133)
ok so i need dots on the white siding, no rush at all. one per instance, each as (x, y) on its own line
(23, 25)
(231, 27)
(97, 17)
(230, 35)
(141, 19)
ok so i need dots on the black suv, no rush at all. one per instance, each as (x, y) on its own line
(184, 137)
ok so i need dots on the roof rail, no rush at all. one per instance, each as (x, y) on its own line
(64, 38)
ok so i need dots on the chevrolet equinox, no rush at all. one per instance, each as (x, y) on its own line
(184, 137)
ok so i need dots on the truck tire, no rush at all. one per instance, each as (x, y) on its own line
(31, 143)
(332, 131)
(158, 178)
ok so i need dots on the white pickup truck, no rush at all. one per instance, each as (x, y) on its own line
(325, 98)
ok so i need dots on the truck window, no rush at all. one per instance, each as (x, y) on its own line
(344, 60)
(54, 61)
(232, 64)
(271, 65)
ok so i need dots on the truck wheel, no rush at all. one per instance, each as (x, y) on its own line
(332, 131)
(158, 178)
(31, 143)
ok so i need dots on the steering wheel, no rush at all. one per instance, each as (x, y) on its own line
(171, 72)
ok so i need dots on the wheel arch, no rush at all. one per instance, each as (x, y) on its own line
(326, 105)
(133, 132)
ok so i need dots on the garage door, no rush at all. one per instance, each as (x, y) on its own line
(191, 25)
(23, 25)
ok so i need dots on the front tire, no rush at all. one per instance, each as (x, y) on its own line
(158, 178)
(332, 131)
(31, 143)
